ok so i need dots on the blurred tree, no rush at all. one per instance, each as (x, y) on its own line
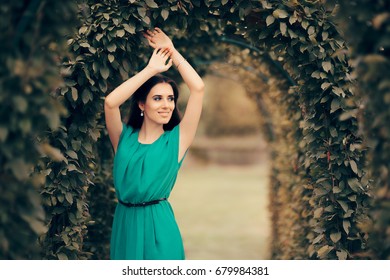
(371, 59)
(32, 35)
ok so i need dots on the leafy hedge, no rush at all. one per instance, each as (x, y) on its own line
(371, 54)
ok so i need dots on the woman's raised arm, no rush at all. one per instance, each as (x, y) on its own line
(157, 64)
(189, 124)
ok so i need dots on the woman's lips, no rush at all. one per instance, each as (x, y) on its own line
(165, 114)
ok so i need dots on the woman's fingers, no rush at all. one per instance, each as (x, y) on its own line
(164, 52)
(147, 37)
(158, 29)
(170, 62)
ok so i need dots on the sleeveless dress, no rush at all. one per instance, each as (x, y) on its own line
(143, 173)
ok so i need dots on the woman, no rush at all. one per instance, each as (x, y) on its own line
(149, 151)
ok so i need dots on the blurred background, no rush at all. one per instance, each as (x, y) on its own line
(220, 198)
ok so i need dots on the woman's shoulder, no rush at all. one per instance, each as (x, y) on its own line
(127, 127)
(127, 130)
(173, 134)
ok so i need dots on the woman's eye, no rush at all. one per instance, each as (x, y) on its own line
(157, 98)
(171, 99)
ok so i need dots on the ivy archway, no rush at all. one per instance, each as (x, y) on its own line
(319, 188)
(317, 191)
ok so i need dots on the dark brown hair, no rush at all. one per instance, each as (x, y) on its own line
(135, 119)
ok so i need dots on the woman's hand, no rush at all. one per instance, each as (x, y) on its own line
(159, 40)
(158, 61)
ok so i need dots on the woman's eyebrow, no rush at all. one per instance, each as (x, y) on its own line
(159, 95)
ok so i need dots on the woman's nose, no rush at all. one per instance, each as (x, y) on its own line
(166, 103)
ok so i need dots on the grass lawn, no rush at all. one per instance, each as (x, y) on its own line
(222, 211)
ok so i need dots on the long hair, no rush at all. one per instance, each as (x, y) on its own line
(135, 119)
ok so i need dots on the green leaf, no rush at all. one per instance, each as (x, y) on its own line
(330, 209)
(62, 256)
(86, 96)
(83, 30)
(325, 85)
(72, 154)
(320, 191)
(292, 34)
(318, 212)
(129, 28)
(69, 197)
(20, 103)
(164, 14)
(71, 167)
(283, 28)
(346, 226)
(342, 255)
(104, 72)
(99, 36)
(111, 58)
(141, 11)
(120, 33)
(333, 132)
(75, 95)
(335, 237)
(305, 24)
(65, 237)
(76, 144)
(315, 74)
(54, 153)
(111, 47)
(73, 219)
(266, 5)
(354, 184)
(3, 133)
(204, 27)
(278, 13)
(146, 20)
(335, 105)
(343, 205)
(318, 238)
(311, 30)
(95, 66)
(269, 20)
(85, 45)
(347, 115)
(336, 189)
(324, 251)
(327, 66)
(292, 19)
(353, 165)
(151, 4)
(338, 91)
(325, 35)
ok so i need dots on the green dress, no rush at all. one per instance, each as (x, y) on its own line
(143, 173)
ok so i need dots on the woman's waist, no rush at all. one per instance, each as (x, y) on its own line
(143, 203)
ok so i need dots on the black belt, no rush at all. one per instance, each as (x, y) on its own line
(141, 204)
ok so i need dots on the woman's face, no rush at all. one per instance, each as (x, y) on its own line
(159, 104)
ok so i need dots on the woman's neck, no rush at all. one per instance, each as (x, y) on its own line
(149, 132)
